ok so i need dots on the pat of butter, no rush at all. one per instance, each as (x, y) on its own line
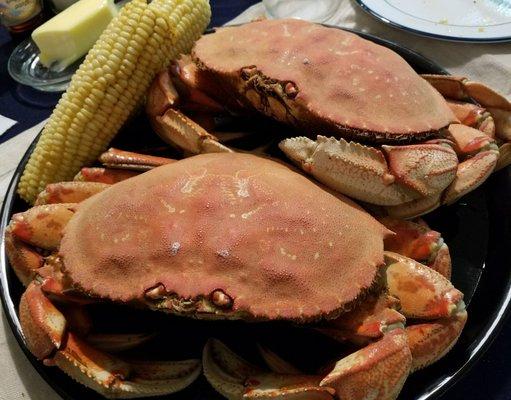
(70, 35)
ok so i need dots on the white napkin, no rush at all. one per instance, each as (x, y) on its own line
(6, 123)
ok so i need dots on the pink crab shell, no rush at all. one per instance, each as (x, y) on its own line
(278, 245)
(345, 83)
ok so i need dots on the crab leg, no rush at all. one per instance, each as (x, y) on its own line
(173, 126)
(275, 363)
(121, 165)
(368, 322)
(40, 226)
(104, 175)
(424, 294)
(177, 129)
(115, 158)
(236, 379)
(69, 192)
(363, 374)
(47, 336)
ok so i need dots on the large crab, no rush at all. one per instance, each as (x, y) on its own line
(219, 236)
(371, 128)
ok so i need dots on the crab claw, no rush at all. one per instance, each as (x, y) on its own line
(431, 341)
(369, 321)
(173, 126)
(365, 373)
(23, 258)
(363, 172)
(189, 81)
(418, 241)
(43, 325)
(499, 108)
(480, 154)
(235, 378)
(471, 174)
(426, 295)
(473, 115)
(42, 226)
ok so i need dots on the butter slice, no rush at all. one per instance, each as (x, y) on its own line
(70, 35)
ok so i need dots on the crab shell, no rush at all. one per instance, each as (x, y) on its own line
(156, 239)
(299, 73)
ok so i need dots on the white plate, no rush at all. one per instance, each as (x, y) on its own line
(461, 20)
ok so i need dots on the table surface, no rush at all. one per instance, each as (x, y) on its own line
(489, 379)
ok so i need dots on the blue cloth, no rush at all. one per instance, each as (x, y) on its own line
(29, 106)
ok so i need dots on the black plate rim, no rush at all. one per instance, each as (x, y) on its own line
(484, 340)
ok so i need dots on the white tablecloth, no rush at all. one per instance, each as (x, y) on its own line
(489, 63)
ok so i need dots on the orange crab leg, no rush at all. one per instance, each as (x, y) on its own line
(115, 378)
(104, 175)
(115, 158)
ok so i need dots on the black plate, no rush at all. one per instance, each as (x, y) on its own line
(477, 229)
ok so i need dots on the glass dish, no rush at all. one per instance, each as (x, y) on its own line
(24, 67)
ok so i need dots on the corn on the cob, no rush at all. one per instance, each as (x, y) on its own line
(108, 86)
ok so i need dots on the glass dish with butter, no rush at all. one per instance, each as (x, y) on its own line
(48, 59)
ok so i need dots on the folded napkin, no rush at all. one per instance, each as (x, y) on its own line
(5, 124)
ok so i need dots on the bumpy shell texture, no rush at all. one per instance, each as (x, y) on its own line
(277, 244)
(341, 84)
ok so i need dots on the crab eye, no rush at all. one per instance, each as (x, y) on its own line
(248, 72)
(221, 299)
(291, 89)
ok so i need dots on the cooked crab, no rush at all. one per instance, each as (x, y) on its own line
(372, 128)
(220, 236)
